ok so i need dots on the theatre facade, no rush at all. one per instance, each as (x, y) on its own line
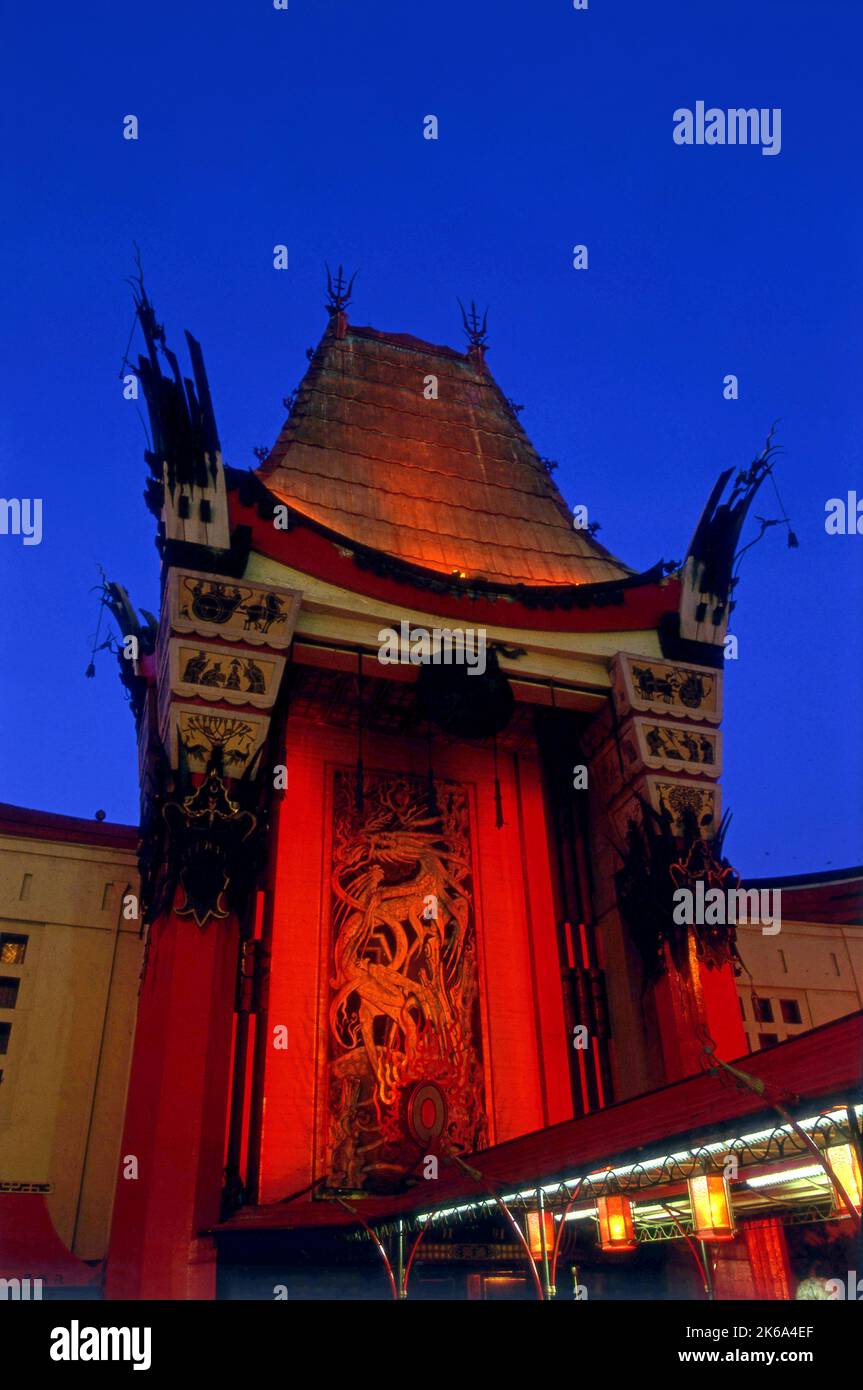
(422, 765)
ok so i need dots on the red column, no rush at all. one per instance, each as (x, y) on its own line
(722, 1012)
(175, 1114)
(694, 1006)
(768, 1258)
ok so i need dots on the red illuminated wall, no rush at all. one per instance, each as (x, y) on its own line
(524, 1043)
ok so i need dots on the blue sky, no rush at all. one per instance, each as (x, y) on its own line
(304, 127)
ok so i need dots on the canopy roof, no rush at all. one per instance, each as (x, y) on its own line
(812, 1073)
(452, 484)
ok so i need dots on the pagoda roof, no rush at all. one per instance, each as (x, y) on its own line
(453, 484)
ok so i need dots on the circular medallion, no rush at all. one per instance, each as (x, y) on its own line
(426, 1112)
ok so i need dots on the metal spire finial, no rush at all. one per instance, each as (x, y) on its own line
(476, 332)
(338, 293)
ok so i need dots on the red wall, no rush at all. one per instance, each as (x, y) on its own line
(524, 1042)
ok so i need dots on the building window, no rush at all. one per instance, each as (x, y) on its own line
(13, 949)
(767, 1039)
(763, 1010)
(783, 962)
(5, 1030)
(790, 1011)
(9, 986)
(836, 970)
(742, 1008)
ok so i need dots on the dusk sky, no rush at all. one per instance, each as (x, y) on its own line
(555, 128)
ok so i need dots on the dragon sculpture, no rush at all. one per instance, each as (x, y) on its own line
(403, 1007)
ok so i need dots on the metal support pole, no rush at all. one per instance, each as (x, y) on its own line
(701, 1264)
(560, 1231)
(507, 1214)
(546, 1275)
(370, 1231)
(400, 1276)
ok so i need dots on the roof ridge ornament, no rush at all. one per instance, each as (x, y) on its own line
(711, 568)
(338, 298)
(477, 332)
(184, 454)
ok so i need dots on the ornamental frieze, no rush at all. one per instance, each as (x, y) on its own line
(225, 674)
(668, 688)
(674, 798)
(646, 745)
(240, 673)
(202, 732)
(260, 614)
(677, 747)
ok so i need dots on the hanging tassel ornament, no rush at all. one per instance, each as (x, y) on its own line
(498, 799)
(96, 647)
(431, 793)
(358, 795)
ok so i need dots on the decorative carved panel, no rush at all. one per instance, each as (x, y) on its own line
(673, 797)
(202, 731)
(678, 747)
(405, 1047)
(667, 687)
(230, 674)
(201, 615)
(234, 610)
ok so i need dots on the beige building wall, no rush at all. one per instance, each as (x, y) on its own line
(65, 1048)
(809, 973)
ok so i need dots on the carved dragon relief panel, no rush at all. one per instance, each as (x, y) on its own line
(403, 1023)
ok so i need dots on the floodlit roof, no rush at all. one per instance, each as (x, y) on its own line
(452, 484)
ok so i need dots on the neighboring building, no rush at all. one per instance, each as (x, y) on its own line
(811, 971)
(70, 964)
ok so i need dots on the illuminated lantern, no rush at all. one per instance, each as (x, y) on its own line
(534, 1232)
(616, 1231)
(846, 1165)
(712, 1212)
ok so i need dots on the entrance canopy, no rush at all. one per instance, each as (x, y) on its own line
(648, 1146)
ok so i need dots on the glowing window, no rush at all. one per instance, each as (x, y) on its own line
(13, 949)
